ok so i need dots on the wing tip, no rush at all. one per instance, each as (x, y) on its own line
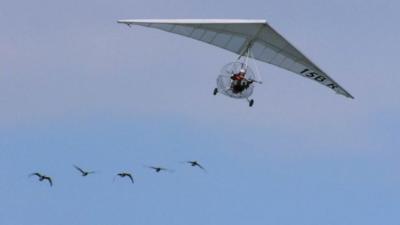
(346, 94)
(122, 21)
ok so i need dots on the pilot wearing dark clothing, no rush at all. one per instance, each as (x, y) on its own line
(239, 82)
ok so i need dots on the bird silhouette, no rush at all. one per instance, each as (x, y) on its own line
(159, 169)
(83, 172)
(42, 177)
(195, 163)
(125, 174)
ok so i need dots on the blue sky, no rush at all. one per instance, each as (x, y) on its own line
(78, 88)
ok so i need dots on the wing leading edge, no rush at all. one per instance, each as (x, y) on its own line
(237, 36)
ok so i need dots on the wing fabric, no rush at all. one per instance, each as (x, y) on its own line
(237, 36)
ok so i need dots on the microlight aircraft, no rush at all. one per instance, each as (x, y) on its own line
(249, 39)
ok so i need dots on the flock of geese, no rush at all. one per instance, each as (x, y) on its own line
(84, 173)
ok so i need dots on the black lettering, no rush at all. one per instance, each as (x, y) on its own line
(320, 78)
(311, 74)
(333, 86)
(305, 70)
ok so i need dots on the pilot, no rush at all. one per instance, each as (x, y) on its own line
(239, 82)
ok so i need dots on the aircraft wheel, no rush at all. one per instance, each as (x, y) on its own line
(215, 91)
(251, 102)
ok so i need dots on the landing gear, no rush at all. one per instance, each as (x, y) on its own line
(251, 102)
(215, 91)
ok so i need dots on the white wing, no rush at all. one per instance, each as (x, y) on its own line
(237, 36)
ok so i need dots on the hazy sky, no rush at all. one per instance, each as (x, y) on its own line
(78, 88)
